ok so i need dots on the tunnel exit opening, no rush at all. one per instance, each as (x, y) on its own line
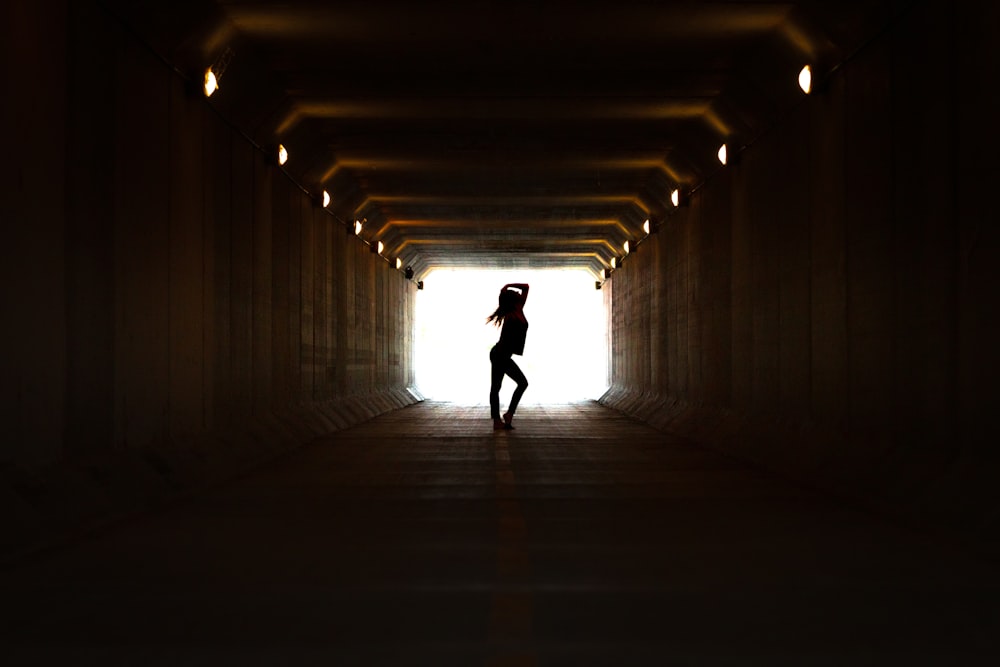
(565, 357)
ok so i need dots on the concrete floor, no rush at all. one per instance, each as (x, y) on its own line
(582, 537)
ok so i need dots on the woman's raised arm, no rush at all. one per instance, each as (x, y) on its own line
(520, 286)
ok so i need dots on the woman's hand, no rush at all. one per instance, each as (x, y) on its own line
(523, 287)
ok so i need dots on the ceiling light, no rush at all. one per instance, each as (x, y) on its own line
(282, 154)
(326, 198)
(614, 262)
(399, 263)
(625, 247)
(722, 154)
(211, 83)
(675, 197)
(357, 227)
(645, 226)
(381, 247)
(805, 79)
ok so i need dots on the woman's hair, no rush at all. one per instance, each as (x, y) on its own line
(508, 302)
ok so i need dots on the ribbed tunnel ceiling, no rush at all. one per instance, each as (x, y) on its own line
(503, 134)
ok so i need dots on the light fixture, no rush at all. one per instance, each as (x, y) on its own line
(607, 273)
(645, 226)
(420, 284)
(722, 154)
(614, 262)
(211, 82)
(357, 228)
(625, 247)
(675, 197)
(326, 198)
(597, 284)
(282, 154)
(399, 263)
(213, 74)
(381, 247)
(408, 273)
(805, 79)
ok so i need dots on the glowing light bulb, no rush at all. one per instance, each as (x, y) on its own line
(357, 227)
(399, 263)
(326, 198)
(625, 247)
(645, 226)
(722, 154)
(211, 83)
(614, 262)
(282, 154)
(675, 198)
(381, 247)
(805, 79)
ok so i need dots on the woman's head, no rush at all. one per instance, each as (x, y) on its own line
(508, 300)
(507, 303)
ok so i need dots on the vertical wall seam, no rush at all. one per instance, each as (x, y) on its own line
(955, 145)
(169, 211)
(845, 226)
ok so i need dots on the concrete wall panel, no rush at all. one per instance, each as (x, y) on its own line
(33, 372)
(793, 248)
(241, 280)
(263, 193)
(90, 261)
(828, 257)
(280, 353)
(978, 99)
(185, 187)
(142, 251)
(307, 304)
(220, 386)
(296, 301)
(870, 247)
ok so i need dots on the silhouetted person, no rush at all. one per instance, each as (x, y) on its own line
(510, 316)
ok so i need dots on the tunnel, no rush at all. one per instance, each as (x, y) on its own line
(219, 217)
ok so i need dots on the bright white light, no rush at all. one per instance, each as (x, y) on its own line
(326, 198)
(722, 154)
(399, 263)
(645, 226)
(565, 356)
(357, 228)
(675, 198)
(805, 79)
(282, 154)
(211, 83)
(625, 247)
(614, 262)
(381, 247)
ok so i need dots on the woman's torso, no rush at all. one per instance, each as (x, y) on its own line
(514, 333)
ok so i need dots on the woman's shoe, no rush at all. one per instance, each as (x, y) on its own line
(498, 425)
(507, 417)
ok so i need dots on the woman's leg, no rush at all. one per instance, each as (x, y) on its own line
(497, 367)
(522, 383)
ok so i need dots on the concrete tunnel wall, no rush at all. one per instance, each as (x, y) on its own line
(175, 308)
(826, 307)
